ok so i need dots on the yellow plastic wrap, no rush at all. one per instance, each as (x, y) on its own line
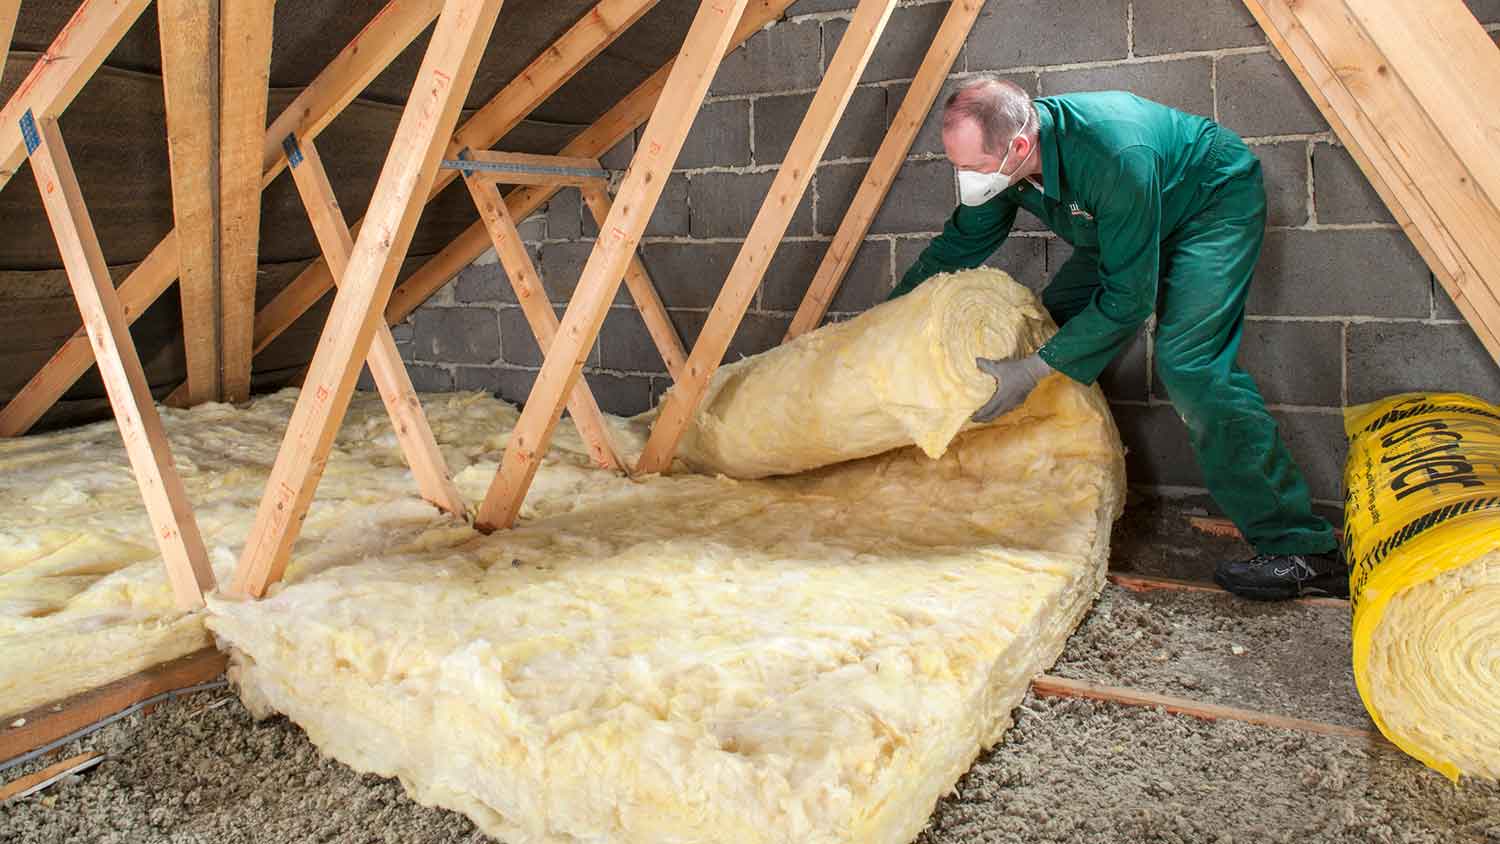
(1422, 536)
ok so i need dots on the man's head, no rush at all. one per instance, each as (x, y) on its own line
(990, 126)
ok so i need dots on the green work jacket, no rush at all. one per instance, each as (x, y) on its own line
(1120, 174)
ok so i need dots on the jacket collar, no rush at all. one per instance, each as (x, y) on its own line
(1046, 134)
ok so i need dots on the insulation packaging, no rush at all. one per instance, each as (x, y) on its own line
(1422, 535)
(900, 373)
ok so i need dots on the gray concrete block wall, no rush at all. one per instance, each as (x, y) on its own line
(1342, 309)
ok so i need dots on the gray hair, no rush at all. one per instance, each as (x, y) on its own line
(999, 107)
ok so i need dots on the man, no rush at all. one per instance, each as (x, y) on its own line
(1165, 212)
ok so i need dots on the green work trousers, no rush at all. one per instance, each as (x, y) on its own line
(1206, 266)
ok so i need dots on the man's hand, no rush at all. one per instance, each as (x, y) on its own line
(1014, 381)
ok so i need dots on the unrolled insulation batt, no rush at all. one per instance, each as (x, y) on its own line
(900, 373)
(685, 658)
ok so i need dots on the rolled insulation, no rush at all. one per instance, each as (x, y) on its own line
(900, 373)
(1422, 534)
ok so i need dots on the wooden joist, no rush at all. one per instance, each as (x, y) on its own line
(244, 74)
(190, 79)
(172, 520)
(59, 74)
(46, 724)
(881, 174)
(9, 10)
(387, 369)
(31, 783)
(792, 179)
(706, 43)
(1053, 686)
(555, 66)
(530, 294)
(442, 82)
(642, 291)
(390, 32)
(519, 168)
(1151, 583)
(1369, 67)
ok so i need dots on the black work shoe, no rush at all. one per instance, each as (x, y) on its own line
(1281, 577)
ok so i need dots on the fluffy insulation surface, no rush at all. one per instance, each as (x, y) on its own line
(681, 658)
(1434, 667)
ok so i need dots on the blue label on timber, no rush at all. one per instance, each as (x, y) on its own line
(29, 133)
(293, 152)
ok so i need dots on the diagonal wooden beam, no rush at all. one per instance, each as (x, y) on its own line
(190, 80)
(400, 22)
(146, 444)
(1324, 80)
(539, 314)
(431, 111)
(547, 73)
(386, 367)
(59, 74)
(244, 77)
(643, 291)
(707, 41)
(791, 181)
(625, 117)
(9, 10)
(915, 106)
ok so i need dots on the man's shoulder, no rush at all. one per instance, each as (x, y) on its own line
(1104, 123)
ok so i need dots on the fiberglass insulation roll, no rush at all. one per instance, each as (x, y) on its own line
(900, 373)
(1422, 532)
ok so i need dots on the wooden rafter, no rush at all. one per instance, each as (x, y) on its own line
(1424, 156)
(59, 74)
(190, 79)
(643, 291)
(395, 27)
(704, 47)
(447, 71)
(621, 120)
(244, 75)
(9, 10)
(539, 314)
(801, 161)
(881, 174)
(547, 73)
(172, 521)
(386, 367)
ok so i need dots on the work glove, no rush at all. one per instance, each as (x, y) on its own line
(1014, 381)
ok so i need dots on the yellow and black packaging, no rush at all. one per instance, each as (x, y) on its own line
(1422, 537)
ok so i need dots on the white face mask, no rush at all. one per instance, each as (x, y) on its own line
(975, 188)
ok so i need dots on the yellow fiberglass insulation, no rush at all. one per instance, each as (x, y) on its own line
(900, 373)
(680, 658)
(1422, 534)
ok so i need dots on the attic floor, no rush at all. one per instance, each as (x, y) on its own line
(199, 769)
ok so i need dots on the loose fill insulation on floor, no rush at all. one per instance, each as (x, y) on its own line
(688, 658)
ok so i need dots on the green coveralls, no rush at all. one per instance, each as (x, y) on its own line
(1165, 212)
